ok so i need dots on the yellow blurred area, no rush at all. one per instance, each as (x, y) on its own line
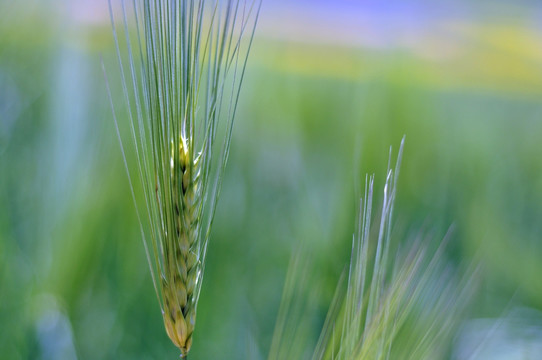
(500, 58)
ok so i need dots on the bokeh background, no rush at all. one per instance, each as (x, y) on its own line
(329, 87)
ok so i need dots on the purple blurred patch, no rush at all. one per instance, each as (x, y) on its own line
(367, 23)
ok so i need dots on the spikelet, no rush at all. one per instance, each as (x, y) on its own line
(183, 271)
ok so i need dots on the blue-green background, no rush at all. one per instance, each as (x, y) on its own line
(329, 87)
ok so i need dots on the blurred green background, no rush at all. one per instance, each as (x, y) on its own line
(329, 87)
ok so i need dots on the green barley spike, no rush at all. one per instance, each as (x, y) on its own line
(181, 77)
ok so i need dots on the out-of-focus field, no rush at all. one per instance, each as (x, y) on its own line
(316, 114)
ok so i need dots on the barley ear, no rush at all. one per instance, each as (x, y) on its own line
(181, 80)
